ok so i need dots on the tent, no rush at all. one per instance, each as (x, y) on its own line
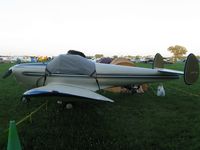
(105, 60)
(125, 62)
(122, 61)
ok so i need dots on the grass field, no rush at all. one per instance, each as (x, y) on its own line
(139, 121)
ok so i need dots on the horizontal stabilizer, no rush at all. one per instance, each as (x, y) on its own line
(191, 70)
(65, 90)
(170, 71)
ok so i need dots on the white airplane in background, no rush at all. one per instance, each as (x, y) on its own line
(74, 75)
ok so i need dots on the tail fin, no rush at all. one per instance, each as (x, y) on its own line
(158, 61)
(191, 71)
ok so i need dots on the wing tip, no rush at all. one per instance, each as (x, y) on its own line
(110, 100)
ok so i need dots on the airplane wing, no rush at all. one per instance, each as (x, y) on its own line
(65, 90)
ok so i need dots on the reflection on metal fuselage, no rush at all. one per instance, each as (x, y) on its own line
(32, 75)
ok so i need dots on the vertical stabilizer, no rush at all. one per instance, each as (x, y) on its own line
(158, 61)
(191, 71)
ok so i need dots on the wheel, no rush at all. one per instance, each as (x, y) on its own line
(25, 99)
(69, 106)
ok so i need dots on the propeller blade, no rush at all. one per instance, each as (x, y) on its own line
(7, 74)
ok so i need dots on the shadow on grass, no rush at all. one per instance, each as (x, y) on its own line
(82, 127)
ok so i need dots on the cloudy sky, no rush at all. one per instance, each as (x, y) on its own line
(110, 27)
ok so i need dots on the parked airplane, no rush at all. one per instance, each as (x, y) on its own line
(74, 75)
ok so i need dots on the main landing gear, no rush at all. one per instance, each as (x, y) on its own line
(25, 99)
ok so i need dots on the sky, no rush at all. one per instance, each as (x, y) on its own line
(109, 27)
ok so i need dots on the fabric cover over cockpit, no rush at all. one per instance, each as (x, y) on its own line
(71, 65)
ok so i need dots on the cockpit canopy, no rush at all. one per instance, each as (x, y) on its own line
(71, 65)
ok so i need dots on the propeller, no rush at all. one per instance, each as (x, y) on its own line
(7, 74)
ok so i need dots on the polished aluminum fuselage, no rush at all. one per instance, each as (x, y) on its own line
(107, 75)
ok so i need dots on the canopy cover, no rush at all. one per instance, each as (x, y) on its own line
(72, 65)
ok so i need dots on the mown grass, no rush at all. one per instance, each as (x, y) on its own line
(139, 121)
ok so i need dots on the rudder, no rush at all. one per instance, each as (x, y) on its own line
(158, 61)
(191, 70)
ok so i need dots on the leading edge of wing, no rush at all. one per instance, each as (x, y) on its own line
(65, 90)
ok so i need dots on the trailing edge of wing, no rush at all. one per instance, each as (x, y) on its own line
(172, 72)
(66, 90)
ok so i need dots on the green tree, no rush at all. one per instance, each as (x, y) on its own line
(115, 56)
(129, 57)
(137, 57)
(98, 55)
(178, 51)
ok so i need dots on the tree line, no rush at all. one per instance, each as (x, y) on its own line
(178, 52)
